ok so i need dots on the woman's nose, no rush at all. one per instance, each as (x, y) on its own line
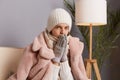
(62, 31)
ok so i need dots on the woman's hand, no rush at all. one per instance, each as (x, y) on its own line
(60, 48)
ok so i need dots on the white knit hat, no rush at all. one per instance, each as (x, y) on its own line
(57, 16)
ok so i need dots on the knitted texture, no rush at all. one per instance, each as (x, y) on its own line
(57, 16)
(60, 48)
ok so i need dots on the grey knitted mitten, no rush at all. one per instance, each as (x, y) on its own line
(60, 48)
(64, 56)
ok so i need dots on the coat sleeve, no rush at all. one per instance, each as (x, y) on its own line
(25, 64)
(77, 66)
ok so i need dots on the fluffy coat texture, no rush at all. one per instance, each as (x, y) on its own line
(36, 62)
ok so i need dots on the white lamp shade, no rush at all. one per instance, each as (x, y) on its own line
(90, 12)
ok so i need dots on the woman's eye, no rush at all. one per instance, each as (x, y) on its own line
(66, 27)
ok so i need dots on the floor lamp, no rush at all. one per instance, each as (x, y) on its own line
(91, 13)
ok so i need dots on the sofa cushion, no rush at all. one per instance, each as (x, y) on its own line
(9, 59)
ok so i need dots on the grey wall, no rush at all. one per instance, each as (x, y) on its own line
(115, 60)
(114, 68)
(22, 20)
(115, 4)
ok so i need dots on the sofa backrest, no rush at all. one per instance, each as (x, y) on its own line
(9, 59)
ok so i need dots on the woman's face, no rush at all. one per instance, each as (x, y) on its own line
(60, 29)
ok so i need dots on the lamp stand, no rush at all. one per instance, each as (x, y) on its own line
(91, 62)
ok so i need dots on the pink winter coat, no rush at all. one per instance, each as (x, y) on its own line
(36, 62)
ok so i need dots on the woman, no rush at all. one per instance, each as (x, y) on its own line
(54, 54)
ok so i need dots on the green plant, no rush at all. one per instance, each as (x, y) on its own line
(104, 37)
